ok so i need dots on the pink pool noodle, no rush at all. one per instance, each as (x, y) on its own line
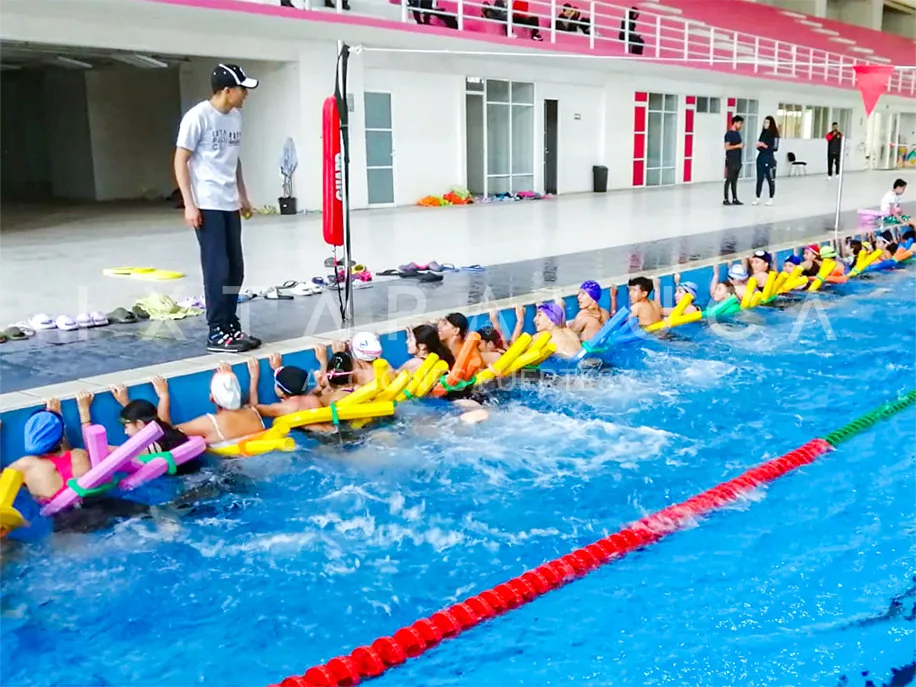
(96, 441)
(101, 473)
(189, 450)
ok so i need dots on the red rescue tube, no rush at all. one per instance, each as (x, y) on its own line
(332, 174)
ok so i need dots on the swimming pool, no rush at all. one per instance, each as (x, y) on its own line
(293, 559)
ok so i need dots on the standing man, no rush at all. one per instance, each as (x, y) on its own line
(209, 175)
(733, 151)
(834, 148)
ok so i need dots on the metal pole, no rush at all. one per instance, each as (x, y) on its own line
(343, 51)
(839, 190)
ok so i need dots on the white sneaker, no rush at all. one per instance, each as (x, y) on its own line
(756, 202)
(770, 202)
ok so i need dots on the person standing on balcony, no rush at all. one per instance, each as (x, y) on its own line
(834, 148)
(767, 145)
(209, 175)
(734, 149)
(628, 34)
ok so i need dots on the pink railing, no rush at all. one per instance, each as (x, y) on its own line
(662, 37)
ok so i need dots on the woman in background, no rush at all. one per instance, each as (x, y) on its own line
(767, 145)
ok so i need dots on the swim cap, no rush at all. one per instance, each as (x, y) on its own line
(763, 255)
(43, 432)
(592, 289)
(737, 272)
(885, 236)
(827, 252)
(553, 312)
(690, 287)
(366, 347)
(291, 380)
(814, 248)
(225, 390)
(340, 368)
(490, 335)
(794, 259)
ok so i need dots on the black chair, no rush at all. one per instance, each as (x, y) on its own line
(796, 164)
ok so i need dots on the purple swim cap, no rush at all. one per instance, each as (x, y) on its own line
(553, 311)
(592, 289)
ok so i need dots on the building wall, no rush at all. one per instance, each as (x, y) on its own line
(133, 119)
(25, 167)
(68, 135)
(900, 23)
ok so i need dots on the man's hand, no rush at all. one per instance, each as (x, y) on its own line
(192, 216)
(245, 207)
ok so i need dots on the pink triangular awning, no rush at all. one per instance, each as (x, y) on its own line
(871, 80)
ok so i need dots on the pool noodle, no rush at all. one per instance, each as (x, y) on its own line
(103, 472)
(157, 467)
(95, 439)
(602, 335)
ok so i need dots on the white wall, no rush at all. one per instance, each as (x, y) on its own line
(427, 117)
(133, 120)
(68, 138)
(580, 123)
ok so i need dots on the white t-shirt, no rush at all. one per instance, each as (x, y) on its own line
(214, 139)
(890, 203)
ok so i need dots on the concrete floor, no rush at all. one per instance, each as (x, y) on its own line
(51, 258)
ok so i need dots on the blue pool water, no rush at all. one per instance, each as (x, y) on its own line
(277, 563)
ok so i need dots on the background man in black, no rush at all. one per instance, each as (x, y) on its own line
(733, 151)
(834, 147)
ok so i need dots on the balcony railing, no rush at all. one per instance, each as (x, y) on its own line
(606, 31)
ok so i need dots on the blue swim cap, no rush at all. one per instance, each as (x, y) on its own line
(690, 287)
(43, 433)
(794, 259)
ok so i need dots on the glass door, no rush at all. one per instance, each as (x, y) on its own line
(749, 110)
(379, 149)
(661, 140)
(499, 136)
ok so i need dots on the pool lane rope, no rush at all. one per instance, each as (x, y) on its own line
(411, 641)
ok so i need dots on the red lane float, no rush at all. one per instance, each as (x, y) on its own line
(408, 642)
(332, 174)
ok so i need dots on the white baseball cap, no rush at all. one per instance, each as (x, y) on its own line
(366, 347)
(225, 390)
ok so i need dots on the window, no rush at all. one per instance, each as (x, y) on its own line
(789, 120)
(843, 117)
(803, 121)
(708, 105)
(661, 140)
(500, 136)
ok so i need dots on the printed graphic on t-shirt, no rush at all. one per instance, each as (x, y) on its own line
(220, 138)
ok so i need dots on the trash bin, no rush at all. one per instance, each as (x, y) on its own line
(599, 179)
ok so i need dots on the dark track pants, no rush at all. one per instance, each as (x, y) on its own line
(766, 170)
(833, 163)
(732, 170)
(220, 239)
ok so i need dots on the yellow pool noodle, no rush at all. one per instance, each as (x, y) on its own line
(769, 286)
(826, 269)
(793, 281)
(431, 379)
(694, 316)
(417, 379)
(749, 290)
(393, 390)
(316, 416)
(365, 393)
(10, 484)
(757, 299)
(540, 341)
(499, 367)
(381, 367)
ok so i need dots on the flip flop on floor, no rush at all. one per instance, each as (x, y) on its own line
(247, 295)
(427, 277)
(98, 319)
(472, 268)
(122, 316)
(14, 333)
(273, 295)
(66, 323)
(408, 274)
(140, 313)
(411, 266)
(24, 328)
(449, 267)
(303, 289)
(42, 323)
(387, 273)
(84, 320)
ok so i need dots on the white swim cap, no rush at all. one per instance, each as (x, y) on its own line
(225, 390)
(366, 347)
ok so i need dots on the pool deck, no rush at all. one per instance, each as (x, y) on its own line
(550, 261)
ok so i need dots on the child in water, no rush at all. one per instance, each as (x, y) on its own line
(290, 386)
(491, 346)
(591, 316)
(644, 310)
(681, 289)
(233, 420)
(49, 463)
(422, 341)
